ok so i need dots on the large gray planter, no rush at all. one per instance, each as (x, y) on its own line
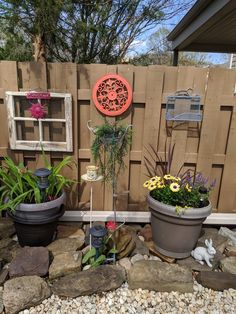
(176, 235)
(36, 223)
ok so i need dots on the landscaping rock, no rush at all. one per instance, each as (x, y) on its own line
(65, 245)
(140, 247)
(138, 257)
(219, 241)
(86, 267)
(125, 262)
(146, 232)
(3, 276)
(65, 263)
(24, 292)
(216, 280)
(125, 245)
(230, 250)
(194, 265)
(154, 258)
(229, 234)
(159, 276)
(152, 249)
(1, 302)
(7, 228)
(102, 278)
(5, 242)
(67, 230)
(30, 261)
(9, 252)
(127, 229)
(141, 238)
(78, 234)
(228, 264)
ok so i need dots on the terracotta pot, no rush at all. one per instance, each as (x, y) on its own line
(36, 223)
(176, 235)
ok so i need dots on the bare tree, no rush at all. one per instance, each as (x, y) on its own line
(86, 31)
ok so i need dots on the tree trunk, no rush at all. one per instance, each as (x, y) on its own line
(39, 48)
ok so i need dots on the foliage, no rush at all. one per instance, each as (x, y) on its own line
(187, 189)
(159, 51)
(19, 184)
(84, 31)
(105, 251)
(13, 44)
(110, 145)
(183, 192)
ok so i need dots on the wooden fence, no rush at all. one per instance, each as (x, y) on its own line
(209, 146)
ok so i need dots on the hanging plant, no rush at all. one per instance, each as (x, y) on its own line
(110, 145)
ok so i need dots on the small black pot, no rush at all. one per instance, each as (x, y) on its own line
(36, 223)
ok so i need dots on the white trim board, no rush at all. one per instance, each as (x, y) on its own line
(141, 217)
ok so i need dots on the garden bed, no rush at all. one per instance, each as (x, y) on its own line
(51, 280)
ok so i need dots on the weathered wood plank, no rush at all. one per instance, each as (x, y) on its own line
(123, 181)
(154, 87)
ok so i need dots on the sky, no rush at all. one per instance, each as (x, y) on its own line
(141, 44)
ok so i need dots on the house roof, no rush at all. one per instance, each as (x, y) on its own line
(209, 26)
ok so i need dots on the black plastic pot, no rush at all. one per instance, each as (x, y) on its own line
(36, 223)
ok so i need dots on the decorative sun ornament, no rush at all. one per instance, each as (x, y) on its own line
(37, 111)
(112, 95)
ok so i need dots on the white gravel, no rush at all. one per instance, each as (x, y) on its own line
(124, 300)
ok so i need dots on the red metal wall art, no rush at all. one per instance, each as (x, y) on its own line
(112, 95)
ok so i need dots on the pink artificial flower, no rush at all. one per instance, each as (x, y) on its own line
(38, 111)
(111, 225)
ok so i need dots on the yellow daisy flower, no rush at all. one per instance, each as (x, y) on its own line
(168, 177)
(153, 180)
(177, 179)
(158, 178)
(174, 187)
(188, 187)
(152, 186)
(146, 184)
(160, 185)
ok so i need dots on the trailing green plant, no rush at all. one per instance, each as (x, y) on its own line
(18, 184)
(110, 145)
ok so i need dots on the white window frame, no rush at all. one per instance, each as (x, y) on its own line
(66, 146)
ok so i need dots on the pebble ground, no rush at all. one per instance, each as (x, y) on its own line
(123, 300)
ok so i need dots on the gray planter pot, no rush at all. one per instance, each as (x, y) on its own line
(175, 235)
(36, 223)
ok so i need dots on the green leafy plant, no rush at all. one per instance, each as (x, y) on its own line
(184, 190)
(18, 184)
(90, 257)
(110, 145)
(105, 251)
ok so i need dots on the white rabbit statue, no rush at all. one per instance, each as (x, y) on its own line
(201, 254)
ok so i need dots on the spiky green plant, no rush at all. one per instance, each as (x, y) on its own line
(19, 184)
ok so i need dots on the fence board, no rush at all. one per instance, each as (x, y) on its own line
(207, 148)
(108, 193)
(123, 183)
(8, 79)
(34, 77)
(210, 120)
(98, 70)
(63, 78)
(154, 88)
(228, 185)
